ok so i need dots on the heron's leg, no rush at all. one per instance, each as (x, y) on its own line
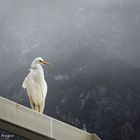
(31, 103)
(38, 108)
(42, 107)
(33, 106)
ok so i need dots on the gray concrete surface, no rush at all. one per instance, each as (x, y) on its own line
(27, 123)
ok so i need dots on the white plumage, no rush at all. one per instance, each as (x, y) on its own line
(36, 85)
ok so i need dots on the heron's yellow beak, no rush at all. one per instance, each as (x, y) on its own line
(45, 62)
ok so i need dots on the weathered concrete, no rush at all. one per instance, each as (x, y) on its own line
(32, 125)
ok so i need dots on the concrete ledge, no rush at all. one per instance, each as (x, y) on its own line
(27, 123)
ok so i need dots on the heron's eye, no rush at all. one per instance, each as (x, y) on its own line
(40, 61)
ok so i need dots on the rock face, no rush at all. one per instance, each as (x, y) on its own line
(104, 99)
(101, 98)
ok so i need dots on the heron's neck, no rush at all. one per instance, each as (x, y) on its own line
(37, 67)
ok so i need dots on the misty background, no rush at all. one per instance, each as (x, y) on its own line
(94, 83)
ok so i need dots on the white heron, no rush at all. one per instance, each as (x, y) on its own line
(36, 85)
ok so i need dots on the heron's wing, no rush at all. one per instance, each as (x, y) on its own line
(44, 89)
(41, 85)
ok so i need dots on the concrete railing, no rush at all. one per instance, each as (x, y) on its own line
(27, 123)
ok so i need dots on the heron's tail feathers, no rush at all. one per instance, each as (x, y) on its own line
(24, 83)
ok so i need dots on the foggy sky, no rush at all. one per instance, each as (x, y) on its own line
(56, 28)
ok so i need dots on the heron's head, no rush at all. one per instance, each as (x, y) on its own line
(40, 61)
